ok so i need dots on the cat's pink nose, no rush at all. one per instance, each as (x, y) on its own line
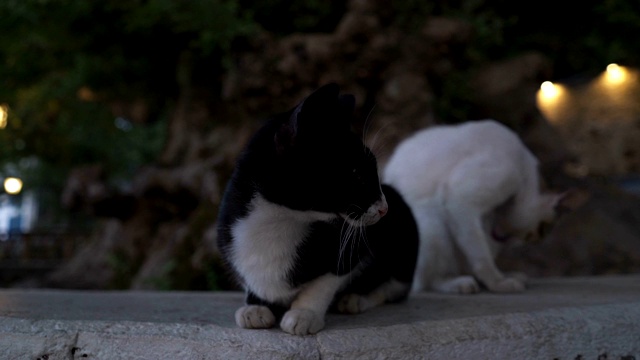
(382, 211)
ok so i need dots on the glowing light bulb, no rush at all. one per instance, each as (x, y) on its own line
(4, 114)
(549, 90)
(551, 100)
(12, 185)
(615, 73)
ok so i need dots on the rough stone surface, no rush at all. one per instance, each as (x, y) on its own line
(556, 318)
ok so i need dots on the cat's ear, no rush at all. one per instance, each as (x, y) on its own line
(313, 114)
(285, 137)
(570, 200)
(320, 110)
(324, 99)
(548, 204)
(319, 99)
(326, 109)
(347, 104)
(556, 204)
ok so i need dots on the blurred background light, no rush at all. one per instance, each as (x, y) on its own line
(549, 90)
(551, 99)
(615, 74)
(12, 185)
(4, 114)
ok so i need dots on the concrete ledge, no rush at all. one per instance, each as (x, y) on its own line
(557, 318)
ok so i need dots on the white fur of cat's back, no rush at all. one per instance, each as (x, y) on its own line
(453, 153)
(453, 177)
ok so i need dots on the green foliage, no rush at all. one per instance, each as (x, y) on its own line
(118, 47)
(116, 51)
(285, 17)
(581, 38)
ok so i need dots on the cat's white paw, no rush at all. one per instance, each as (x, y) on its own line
(302, 322)
(522, 277)
(255, 317)
(459, 285)
(507, 285)
(353, 304)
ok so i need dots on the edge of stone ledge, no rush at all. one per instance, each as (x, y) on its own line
(592, 331)
(589, 332)
(70, 339)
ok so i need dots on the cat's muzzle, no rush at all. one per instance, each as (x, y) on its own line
(374, 213)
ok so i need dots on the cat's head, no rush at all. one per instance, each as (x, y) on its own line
(535, 221)
(322, 165)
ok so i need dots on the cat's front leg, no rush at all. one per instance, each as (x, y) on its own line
(465, 284)
(306, 315)
(390, 291)
(255, 317)
(472, 240)
(302, 322)
(495, 281)
(522, 277)
(507, 285)
(258, 313)
(512, 282)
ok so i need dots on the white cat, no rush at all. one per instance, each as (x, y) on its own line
(471, 187)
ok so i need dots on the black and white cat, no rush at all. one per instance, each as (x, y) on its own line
(305, 225)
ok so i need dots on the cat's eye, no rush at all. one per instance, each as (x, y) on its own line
(357, 176)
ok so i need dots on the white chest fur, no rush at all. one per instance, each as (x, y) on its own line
(264, 247)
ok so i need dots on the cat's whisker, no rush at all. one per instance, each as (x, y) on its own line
(362, 237)
(355, 230)
(353, 245)
(356, 238)
(356, 233)
(368, 122)
(352, 236)
(356, 207)
(346, 237)
(374, 145)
